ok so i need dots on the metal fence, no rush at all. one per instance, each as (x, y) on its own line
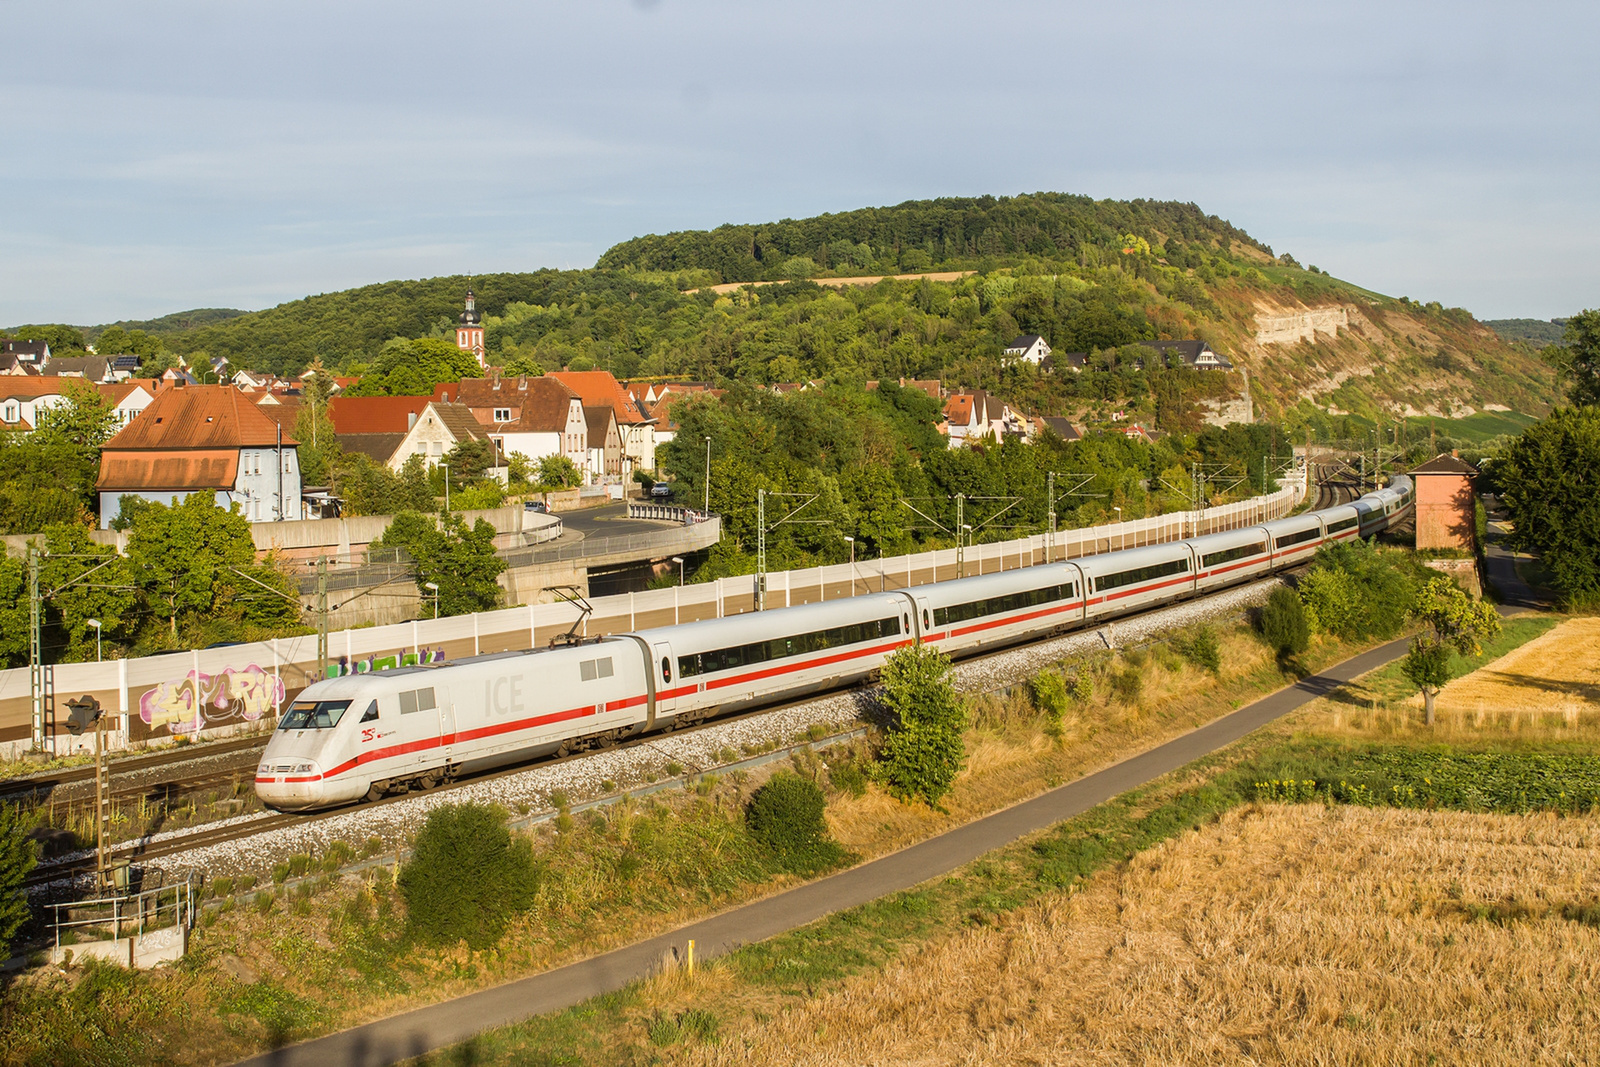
(128, 915)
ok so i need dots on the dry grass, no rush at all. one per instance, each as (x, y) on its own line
(1558, 672)
(1279, 935)
(1545, 690)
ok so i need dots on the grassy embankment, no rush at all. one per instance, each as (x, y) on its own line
(329, 956)
(1363, 739)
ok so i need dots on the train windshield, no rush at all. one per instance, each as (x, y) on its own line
(313, 715)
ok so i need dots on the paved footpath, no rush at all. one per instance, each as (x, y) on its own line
(424, 1030)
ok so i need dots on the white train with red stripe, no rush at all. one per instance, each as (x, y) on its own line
(367, 734)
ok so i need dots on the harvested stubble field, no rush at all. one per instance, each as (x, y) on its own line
(1559, 672)
(1280, 934)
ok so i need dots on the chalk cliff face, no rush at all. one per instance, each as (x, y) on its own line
(1380, 358)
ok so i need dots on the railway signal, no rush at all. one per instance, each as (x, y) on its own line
(83, 713)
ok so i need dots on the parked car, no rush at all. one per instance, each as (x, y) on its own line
(535, 505)
(661, 490)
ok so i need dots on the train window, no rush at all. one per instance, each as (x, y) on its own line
(371, 714)
(1028, 598)
(726, 659)
(314, 714)
(591, 669)
(1141, 574)
(666, 669)
(1228, 555)
(1300, 537)
(926, 624)
(1342, 524)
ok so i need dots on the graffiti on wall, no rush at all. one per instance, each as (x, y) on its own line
(197, 700)
(375, 662)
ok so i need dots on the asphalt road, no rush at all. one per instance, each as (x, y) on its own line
(608, 520)
(424, 1030)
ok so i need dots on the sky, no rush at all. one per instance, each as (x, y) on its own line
(163, 156)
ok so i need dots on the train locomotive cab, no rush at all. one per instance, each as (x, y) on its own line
(1120, 582)
(998, 609)
(307, 762)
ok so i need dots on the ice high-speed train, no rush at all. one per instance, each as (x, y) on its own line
(365, 735)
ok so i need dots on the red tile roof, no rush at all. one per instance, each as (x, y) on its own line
(198, 417)
(596, 388)
(537, 405)
(375, 414)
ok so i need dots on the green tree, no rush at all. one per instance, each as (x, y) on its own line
(923, 751)
(18, 854)
(82, 580)
(313, 428)
(195, 565)
(14, 615)
(413, 367)
(467, 878)
(87, 420)
(558, 472)
(369, 488)
(63, 340)
(1578, 360)
(1550, 476)
(1454, 621)
(459, 559)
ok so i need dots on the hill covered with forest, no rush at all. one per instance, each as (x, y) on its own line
(1088, 275)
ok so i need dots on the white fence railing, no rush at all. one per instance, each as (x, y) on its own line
(224, 689)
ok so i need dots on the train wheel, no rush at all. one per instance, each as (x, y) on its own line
(374, 792)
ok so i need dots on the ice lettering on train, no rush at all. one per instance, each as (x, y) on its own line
(503, 696)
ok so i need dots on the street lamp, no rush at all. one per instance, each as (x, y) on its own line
(707, 507)
(852, 542)
(1121, 537)
(434, 587)
(968, 537)
(679, 561)
(96, 624)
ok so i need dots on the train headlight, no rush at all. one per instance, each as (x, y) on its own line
(302, 768)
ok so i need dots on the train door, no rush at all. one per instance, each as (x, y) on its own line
(447, 724)
(666, 667)
(924, 619)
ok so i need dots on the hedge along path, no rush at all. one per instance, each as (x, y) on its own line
(425, 1030)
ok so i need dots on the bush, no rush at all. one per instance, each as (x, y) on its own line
(848, 777)
(1127, 684)
(924, 751)
(1356, 592)
(785, 818)
(1283, 624)
(1049, 692)
(1202, 650)
(18, 854)
(467, 876)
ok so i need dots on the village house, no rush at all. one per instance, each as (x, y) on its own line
(536, 417)
(438, 429)
(1029, 348)
(22, 399)
(605, 458)
(637, 430)
(202, 439)
(373, 425)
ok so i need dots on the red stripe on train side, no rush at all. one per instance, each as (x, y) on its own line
(790, 668)
(992, 623)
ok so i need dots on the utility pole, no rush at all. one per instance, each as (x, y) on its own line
(322, 615)
(35, 650)
(1050, 535)
(961, 526)
(761, 543)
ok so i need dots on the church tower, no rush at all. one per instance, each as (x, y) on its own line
(469, 330)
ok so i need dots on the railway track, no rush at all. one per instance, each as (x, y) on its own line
(45, 783)
(147, 851)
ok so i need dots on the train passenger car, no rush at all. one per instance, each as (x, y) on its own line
(363, 735)
(1295, 539)
(1120, 582)
(997, 609)
(746, 660)
(1232, 556)
(1341, 524)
